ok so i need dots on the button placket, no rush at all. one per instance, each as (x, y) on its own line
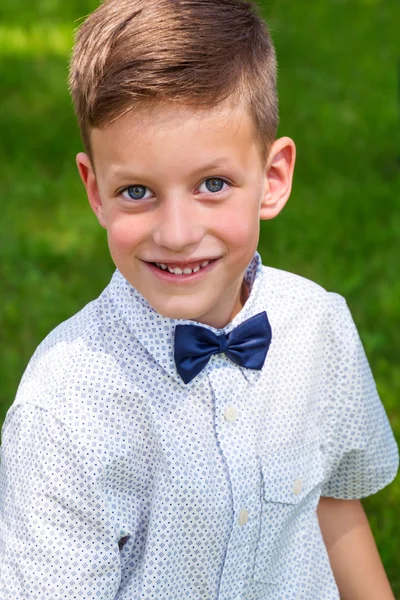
(231, 424)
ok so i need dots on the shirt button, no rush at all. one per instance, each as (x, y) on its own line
(297, 486)
(231, 414)
(243, 516)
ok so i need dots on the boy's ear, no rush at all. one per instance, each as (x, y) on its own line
(279, 175)
(88, 176)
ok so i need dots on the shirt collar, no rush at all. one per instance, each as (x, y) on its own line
(156, 333)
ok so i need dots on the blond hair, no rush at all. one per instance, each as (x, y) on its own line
(129, 53)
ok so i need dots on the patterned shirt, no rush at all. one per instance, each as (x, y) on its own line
(118, 481)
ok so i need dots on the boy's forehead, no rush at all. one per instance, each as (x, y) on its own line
(219, 133)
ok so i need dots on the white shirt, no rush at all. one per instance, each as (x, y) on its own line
(118, 481)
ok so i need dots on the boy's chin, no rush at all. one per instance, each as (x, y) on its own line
(186, 313)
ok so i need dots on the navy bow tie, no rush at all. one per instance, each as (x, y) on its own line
(246, 345)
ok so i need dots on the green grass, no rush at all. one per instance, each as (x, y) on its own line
(338, 87)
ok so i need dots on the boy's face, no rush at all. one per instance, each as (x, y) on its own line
(185, 188)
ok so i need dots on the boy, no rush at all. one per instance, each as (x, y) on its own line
(205, 427)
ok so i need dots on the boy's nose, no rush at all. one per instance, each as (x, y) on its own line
(178, 225)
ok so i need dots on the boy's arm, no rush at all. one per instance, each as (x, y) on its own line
(352, 551)
(58, 539)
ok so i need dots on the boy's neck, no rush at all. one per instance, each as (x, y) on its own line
(240, 301)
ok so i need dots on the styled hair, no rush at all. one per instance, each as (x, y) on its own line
(129, 53)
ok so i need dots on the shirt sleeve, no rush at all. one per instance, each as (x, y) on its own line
(56, 536)
(359, 443)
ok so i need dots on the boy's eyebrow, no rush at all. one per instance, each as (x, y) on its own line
(123, 173)
(217, 164)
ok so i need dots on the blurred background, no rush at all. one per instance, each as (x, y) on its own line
(339, 98)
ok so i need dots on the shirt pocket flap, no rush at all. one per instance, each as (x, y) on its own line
(290, 474)
(292, 479)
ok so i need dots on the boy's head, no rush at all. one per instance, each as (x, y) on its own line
(176, 101)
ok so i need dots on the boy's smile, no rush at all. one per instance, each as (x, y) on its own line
(181, 191)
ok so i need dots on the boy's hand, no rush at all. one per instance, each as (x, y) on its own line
(352, 551)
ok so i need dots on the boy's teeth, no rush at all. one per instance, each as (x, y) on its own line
(179, 271)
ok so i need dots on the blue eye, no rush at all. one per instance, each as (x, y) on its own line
(213, 184)
(136, 192)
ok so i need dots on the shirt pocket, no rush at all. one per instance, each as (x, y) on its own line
(291, 485)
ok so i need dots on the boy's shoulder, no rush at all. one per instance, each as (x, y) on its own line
(289, 298)
(74, 351)
(295, 288)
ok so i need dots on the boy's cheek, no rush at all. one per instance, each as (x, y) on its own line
(126, 230)
(238, 230)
